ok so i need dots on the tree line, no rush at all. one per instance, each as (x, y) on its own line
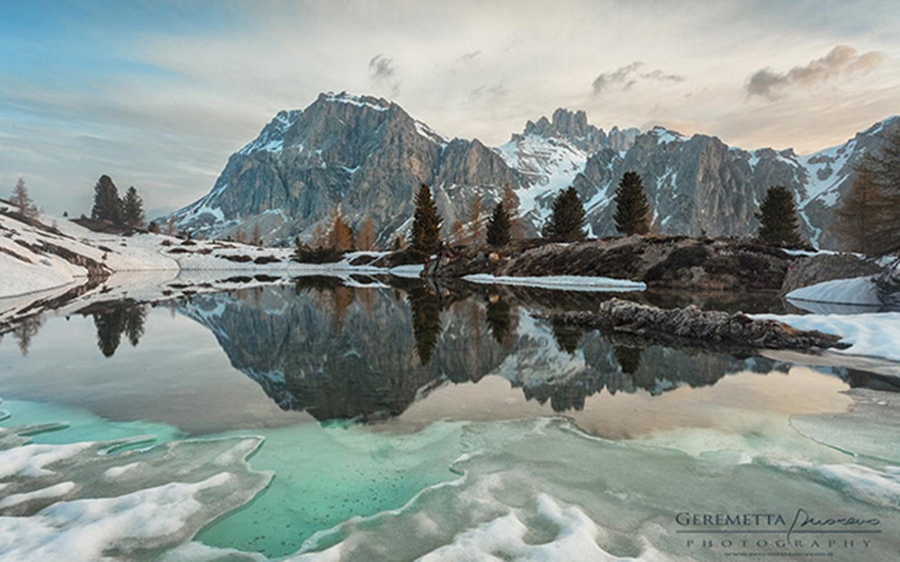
(120, 211)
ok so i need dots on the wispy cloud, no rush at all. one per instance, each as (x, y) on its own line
(383, 72)
(627, 76)
(841, 61)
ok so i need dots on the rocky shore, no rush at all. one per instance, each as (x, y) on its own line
(672, 262)
(702, 328)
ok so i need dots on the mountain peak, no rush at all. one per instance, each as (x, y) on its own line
(378, 104)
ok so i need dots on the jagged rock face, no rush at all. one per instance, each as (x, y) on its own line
(695, 185)
(370, 156)
(700, 185)
(364, 153)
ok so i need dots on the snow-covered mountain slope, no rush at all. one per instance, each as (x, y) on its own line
(368, 156)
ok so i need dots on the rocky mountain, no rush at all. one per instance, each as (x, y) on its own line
(369, 156)
(362, 153)
(699, 184)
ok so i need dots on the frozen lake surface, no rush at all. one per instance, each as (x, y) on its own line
(322, 422)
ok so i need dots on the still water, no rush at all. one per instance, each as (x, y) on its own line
(324, 422)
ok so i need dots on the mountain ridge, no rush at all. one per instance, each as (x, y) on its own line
(368, 155)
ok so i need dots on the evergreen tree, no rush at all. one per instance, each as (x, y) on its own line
(22, 200)
(426, 229)
(133, 208)
(498, 229)
(632, 209)
(107, 205)
(567, 221)
(511, 205)
(778, 218)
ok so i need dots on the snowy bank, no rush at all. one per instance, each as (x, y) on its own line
(856, 291)
(562, 282)
(874, 335)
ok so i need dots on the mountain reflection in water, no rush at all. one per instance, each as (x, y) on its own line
(348, 353)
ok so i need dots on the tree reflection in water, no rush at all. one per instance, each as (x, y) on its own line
(113, 320)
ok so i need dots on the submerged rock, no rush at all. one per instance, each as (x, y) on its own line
(705, 328)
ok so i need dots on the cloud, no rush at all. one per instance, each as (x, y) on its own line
(627, 76)
(382, 68)
(469, 57)
(383, 72)
(841, 61)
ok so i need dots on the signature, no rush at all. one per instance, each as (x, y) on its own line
(803, 520)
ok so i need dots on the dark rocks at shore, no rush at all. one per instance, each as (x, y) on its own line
(702, 328)
(672, 262)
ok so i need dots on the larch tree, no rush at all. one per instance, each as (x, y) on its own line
(426, 228)
(340, 235)
(256, 238)
(132, 208)
(566, 223)
(476, 226)
(367, 237)
(861, 210)
(874, 201)
(107, 205)
(632, 208)
(498, 229)
(777, 215)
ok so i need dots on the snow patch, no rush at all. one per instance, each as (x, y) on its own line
(563, 282)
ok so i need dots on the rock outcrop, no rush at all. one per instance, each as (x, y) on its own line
(702, 328)
(827, 267)
(674, 262)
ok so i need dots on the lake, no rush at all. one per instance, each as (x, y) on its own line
(320, 421)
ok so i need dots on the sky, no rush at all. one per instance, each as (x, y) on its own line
(158, 94)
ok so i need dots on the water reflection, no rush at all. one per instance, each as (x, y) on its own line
(343, 353)
(113, 320)
(340, 352)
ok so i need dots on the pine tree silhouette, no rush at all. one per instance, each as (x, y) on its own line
(778, 218)
(567, 221)
(498, 229)
(632, 209)
(426, 229)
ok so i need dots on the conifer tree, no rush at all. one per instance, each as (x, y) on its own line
(256, 238)
(367, 237)
(498, 229)
(870, 213)
(476, 226)
(632, 209)
(778, 218)
(132, 208)
(861, 209)
(340, 236)
(511, 205)
(426, 229)
(22, 200)
(107, 205)
(567, 221)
